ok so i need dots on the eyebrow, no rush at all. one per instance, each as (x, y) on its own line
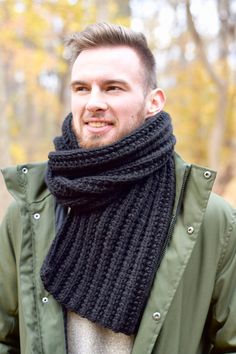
(77, 82)
(106, 82)
(116, 81)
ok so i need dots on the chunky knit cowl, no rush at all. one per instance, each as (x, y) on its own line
(120, 197)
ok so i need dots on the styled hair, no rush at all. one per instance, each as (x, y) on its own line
(106, 34)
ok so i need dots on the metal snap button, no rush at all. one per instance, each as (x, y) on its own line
(24, 170)
(36, 216)
(190, 230)
(156, 316)
(207, 174)
(45, 299)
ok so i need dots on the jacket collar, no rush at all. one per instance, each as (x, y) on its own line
(26, 182)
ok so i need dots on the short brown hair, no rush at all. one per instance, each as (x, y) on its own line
(106, 34)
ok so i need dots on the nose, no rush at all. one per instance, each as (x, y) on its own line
(96, 102)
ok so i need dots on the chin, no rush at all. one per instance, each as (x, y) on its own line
(93, 144)
(97, 142)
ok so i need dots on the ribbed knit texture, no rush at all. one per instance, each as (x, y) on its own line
(103, 259)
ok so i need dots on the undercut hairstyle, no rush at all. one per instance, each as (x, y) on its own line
(106, 34)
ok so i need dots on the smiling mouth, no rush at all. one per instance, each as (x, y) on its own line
(97, 127)
(98, 124)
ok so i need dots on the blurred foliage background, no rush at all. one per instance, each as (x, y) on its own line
(194, 42)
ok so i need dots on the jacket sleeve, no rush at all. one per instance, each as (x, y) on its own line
(223, 326)
(9, 332)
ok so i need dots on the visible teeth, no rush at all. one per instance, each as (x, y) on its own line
(97, 124)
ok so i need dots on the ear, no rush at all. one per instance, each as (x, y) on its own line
(155, 102)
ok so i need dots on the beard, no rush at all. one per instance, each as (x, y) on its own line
(91, 141)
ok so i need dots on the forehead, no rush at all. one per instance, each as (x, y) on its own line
(110, 60)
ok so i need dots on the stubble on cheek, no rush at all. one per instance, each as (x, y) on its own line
(87, 141)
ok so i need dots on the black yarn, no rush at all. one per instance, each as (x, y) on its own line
(103, 259)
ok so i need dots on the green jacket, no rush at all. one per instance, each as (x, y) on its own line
(192, 305)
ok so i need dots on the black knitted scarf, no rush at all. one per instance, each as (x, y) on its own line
(120, 197)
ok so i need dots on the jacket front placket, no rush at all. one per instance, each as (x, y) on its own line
(41, 317)
(196, 191)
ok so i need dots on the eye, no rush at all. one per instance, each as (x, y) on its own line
(113, 88)
(79, 88)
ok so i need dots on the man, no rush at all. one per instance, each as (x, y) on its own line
(116, 245)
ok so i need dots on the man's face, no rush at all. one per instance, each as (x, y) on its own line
(108, 98)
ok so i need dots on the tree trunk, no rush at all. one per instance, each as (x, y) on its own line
(216, 139)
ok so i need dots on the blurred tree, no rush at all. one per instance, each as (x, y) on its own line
(34, 72)
(220, 75)
(195, 46)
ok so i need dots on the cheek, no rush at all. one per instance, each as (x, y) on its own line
(76, 122)
(133, 109)
(76, 103)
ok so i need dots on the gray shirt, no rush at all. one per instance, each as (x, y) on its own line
(86, 337)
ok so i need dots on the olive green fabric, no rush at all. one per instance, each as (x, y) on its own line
(192, 304)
